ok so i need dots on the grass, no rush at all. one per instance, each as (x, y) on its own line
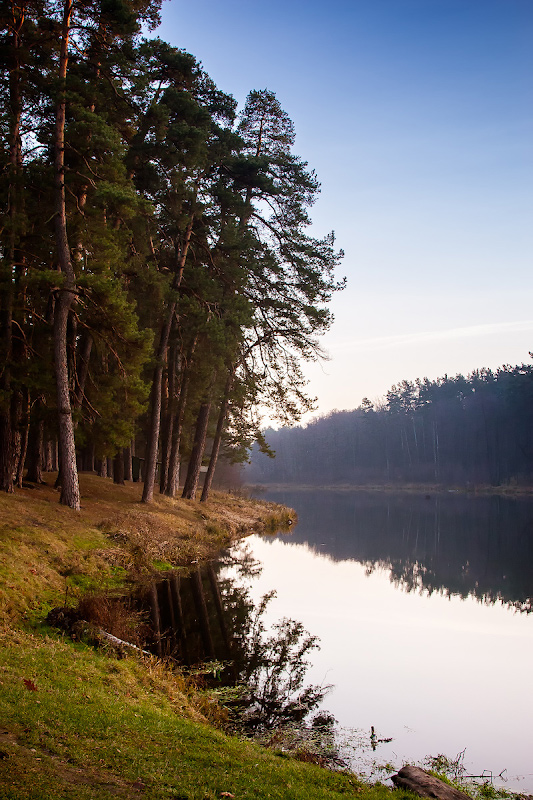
(76, 722)
(100, 728)
(48, 551)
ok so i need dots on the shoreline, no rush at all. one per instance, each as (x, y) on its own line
(406, 488)
(88, 722)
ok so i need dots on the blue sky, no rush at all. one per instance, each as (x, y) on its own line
(418, 118)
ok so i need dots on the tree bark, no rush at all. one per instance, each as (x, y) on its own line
(36, 449)
(24, 437)
(218, 437)
(7, 450)
(127, 463)
(152, 446)
(174, 461)
(167, 418)
(7, 423)
(195, 460)
(55, 455)
(82, 368)
(118, 468)
(89, 457)
(15, 410)
(70, 492)
(47, 455)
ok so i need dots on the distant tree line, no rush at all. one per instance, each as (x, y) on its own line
(453, 430)
(158, 283)
(453, 543)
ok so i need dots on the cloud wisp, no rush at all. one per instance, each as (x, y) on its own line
(423, 337)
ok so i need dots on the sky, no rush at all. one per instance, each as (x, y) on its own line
(417, 116)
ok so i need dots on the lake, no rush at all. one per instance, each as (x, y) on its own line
(421, 605)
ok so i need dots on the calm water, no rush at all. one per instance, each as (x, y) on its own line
(421, 605)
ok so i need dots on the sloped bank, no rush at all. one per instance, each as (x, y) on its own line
(76, 722)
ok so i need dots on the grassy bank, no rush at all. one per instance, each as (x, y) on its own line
(48, 552)
(77, 722)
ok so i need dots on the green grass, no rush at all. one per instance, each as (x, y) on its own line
(80, 724)
(76, 722)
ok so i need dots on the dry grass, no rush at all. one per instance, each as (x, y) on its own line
(78, 722)
(50, 554)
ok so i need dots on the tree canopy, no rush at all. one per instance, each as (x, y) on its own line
(159, 281)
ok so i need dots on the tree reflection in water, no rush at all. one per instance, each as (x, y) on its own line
(207, 616)
(444, 542)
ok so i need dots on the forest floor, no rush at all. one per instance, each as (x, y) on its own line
(78, 722)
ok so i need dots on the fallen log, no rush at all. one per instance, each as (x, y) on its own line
(420, 782)
(120, 643)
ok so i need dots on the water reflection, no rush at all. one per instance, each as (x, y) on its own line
(208, 616)
(426, 646)
(448, 543)
(189, 622)
(428, 665)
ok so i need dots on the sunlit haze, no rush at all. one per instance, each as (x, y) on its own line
(417, 116)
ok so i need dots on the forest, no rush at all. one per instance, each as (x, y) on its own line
(159, 282)
(466, 431)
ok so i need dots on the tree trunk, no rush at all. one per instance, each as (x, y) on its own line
(47, 452)
(167, 417)
(89, 457)
(218, 437)
(70, 491)
(36, 449)
(152, 446)
(82, 368)
(195, 461)
(7, 450)
(174, 461)
(7, 426)
(127, 463)
(55, 454)
(173, 477)
(24, 436)
(118, 468)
